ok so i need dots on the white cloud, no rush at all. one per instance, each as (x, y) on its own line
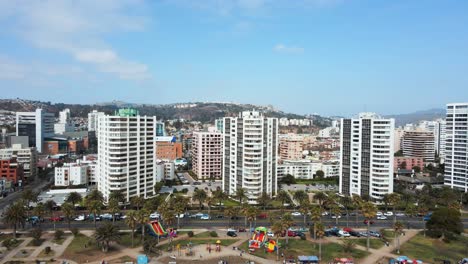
(281, 48)
(77, 28)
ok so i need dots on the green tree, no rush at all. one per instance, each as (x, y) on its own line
(394, 199)
(316, 215)
(15, 215)
(304, 207)
(117, 196)
(39, 211)
(95, 208)
(264, 200)
(283, 196)
(288, 179)
(445, 221)
(300, 196)
(219, 196)
(320, 233)
(241, 195)
(347, 203)
(158, 186)
(68, 210)
(142, 218)
(105, 235)
(131, 222)
(398, 228)
(410, 210)
(320, 174)
(369, 211)
(74, 198)
(113, 207)
(36, 234)
(29, 196)
(179, 205)
(137, 201)
(200, 196)
(320, 197)
(287, 221)
(50, 206)
(335, 210)
(230, 212)
(95, 195)
(417, 169)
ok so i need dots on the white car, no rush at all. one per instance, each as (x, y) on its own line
(379, 213)
(400, 214)
(342, 233)
(296, 214)
(154, 215)
(336, 216)
(389, 213)
(231, 230)
(382, 217)
(80, 218)
(205, 217)
(180, 216)
(325, 213)
(270, 234)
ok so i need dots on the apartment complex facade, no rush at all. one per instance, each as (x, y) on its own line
(26, 157)
(207, 154)
(126, 159)
(11, 170)
(290, 147)
(71, 174)
(419, 144)
(36, 126)
(250, 154)
(456, 152)
(366, 162)
(167, 148)
(93, 120)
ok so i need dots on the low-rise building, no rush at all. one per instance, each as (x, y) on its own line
(168, 149)
(407, 163)
(307, 169)
(71, 174)
(11, 170)
(165, 170)
(25, 156)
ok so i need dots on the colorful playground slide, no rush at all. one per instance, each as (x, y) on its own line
(156, 229)
(259, 237)
(271, 246)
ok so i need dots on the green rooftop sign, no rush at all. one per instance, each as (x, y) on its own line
(124, 112)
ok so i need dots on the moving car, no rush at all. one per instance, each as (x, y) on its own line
(374, 234)
(366, 220)
(205, 217)
(343, 233)
(231, 234)
(379, 213)
(335, 216)
(296, 214)
(382, 217)
(80, 218)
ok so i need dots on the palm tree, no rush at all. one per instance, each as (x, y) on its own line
(131, 221)
(74, 198)
(386, 201)
(15, 215)
(422, 210)
(200, 196)
(137, 202)
(29, 196)
(369, 211)
(347, 203)
(168, 217)
(142, 218)
(300, 196)
(251, 215)
(394, 199)
(287, 221)
(230, 212)
(398, 228)
(357, 203)
(277, 229)
(316, 215)
(179, 205)
(95, 195)
(321, 197)
(320, 233)
(282, 196)
(117, 196)
(113, 207)
(336, 211)
(39, 211)
(304, 207)
(348, 246)
(68, 210)
(95, 208)
(411, 210)
(219, 196)
(50, 206)
(106, 234)
(263, 200)
(241, 195)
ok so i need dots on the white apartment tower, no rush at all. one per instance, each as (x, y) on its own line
(93, 120)
(250, 154)
(367, 148)
(456, 150)
(207, 154)
(36, 125)
(126, 154)
(65, 123)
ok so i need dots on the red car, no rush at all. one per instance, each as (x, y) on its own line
(371, 222)
(262, 216)
(56, 219)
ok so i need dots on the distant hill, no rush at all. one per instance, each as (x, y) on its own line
(416, 117)
(193, 111)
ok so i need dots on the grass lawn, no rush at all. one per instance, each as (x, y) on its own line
(297, 247)
(184, 242)
(427, 249)
(230, 202)
(373, 243)
(126, 240)
(33, 243)
(44, 255)
(203, 235)
(59, 241)
(389, 234)
(13, 245)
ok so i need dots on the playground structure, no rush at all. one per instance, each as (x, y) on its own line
(259, 237)
(271, 246)
(157, 230)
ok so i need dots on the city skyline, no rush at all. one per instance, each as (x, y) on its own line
(307, 57)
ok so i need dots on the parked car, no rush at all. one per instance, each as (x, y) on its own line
(400, 214)
(363, 234)
(354, 233)
(106, 217)
(196, 183)
(388, 213)
(270, 234)
(180, 216)
(379, 213)
(205, 217)
(262, 216)
(374, 234)
(343, 233)
(91, 217)
(241, 229)
(335, 216)
(219, 216)
(56, 218)
(231, 234)
(366, 220)
(154, 215)
(325, 213)
(296, 214)
(80, 218)
(427, 217)
(382, 217)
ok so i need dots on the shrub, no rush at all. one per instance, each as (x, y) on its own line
(303, 237)
(58, 234)
(184, 190)
(75, 231)
(47, 250)
(190, 233)
(213, 234)
(8, 243)
(36, 234)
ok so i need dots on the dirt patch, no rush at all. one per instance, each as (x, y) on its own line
(90, 255)
(230, 260)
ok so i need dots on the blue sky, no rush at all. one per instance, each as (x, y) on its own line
(332, 57)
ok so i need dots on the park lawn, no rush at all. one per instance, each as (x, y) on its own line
(298, 247)
(126, 240)
(33, 243)
(184, 242)
(84, 249)
(60, 241)
(203, 235)
(427, 249)
(389, 234)
(230, 202)
(42, 254)
(373, 243)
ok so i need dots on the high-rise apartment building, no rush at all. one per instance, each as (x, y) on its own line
(250, 154)
(437, 127)
(93, 119)
(290, 147)
(367, 149)
(207, 155)
(126, 159)
(418, 144)
(456, 151)
(25, 156)
(65, 123)
(36, 126)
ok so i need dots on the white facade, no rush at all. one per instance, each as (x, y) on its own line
(305, 169)
(36, 125)
(71, 174)
(367, 149)
(456, 152)
(126, 159)
(250, 154)
(329, 132)
(207, 154)
(165, 170)
(93, 119)
(27, 157)
(65, 123)
(437, 127)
